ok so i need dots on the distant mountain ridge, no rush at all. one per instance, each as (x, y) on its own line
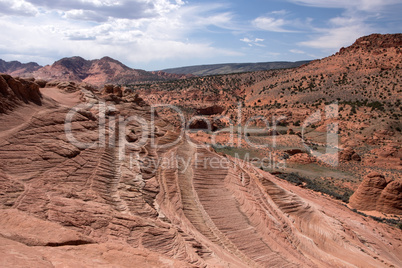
(98, 72)
(16, 68)
(109, 70)
(228, 68)
(95, 72)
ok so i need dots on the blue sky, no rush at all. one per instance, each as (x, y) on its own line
(157, 34)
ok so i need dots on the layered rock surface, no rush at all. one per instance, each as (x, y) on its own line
(376, 193)
(13, 92)
(164, 202)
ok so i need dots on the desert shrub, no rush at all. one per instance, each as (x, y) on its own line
(317, 186)
(353, 110)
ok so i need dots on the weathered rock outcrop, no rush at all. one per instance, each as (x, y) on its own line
(349, 154)
(375, 193)
(375, 41)
(211, 110)
(366, 196)
(302, 158)
(387, 156)
(390, 200)
(15, 91)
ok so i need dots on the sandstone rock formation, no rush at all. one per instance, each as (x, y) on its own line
(386, 156)
(165, 202)
(366, 196)
(390, 200)
(348, 154)
(375, 41)
(14, 92)
(211, 110)
(302, 158)
(375, 193)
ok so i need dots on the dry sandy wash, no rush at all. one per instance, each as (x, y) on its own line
(62, 206)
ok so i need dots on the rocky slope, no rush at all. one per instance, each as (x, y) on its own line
(124, 200)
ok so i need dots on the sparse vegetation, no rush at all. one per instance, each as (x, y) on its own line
(318, 185)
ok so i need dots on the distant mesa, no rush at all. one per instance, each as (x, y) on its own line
(228, 68)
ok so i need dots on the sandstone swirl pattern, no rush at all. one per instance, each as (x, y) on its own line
(67, 207)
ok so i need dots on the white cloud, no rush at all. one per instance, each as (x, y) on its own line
(246, 40)
(336, 38)
(280, 12)
(17, 7)
(274, 22)
(277, 21)
(342, 31)
(297, 51)
(255, 42)
(129, 9)
(363, 5)
(200, 16)
(354, 22)
(80, 14)
(61, 30)
(271, 24)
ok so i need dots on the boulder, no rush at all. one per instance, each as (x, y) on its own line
(348, 154)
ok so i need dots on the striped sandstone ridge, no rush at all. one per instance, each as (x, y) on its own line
(65, 206)
(254, 221)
